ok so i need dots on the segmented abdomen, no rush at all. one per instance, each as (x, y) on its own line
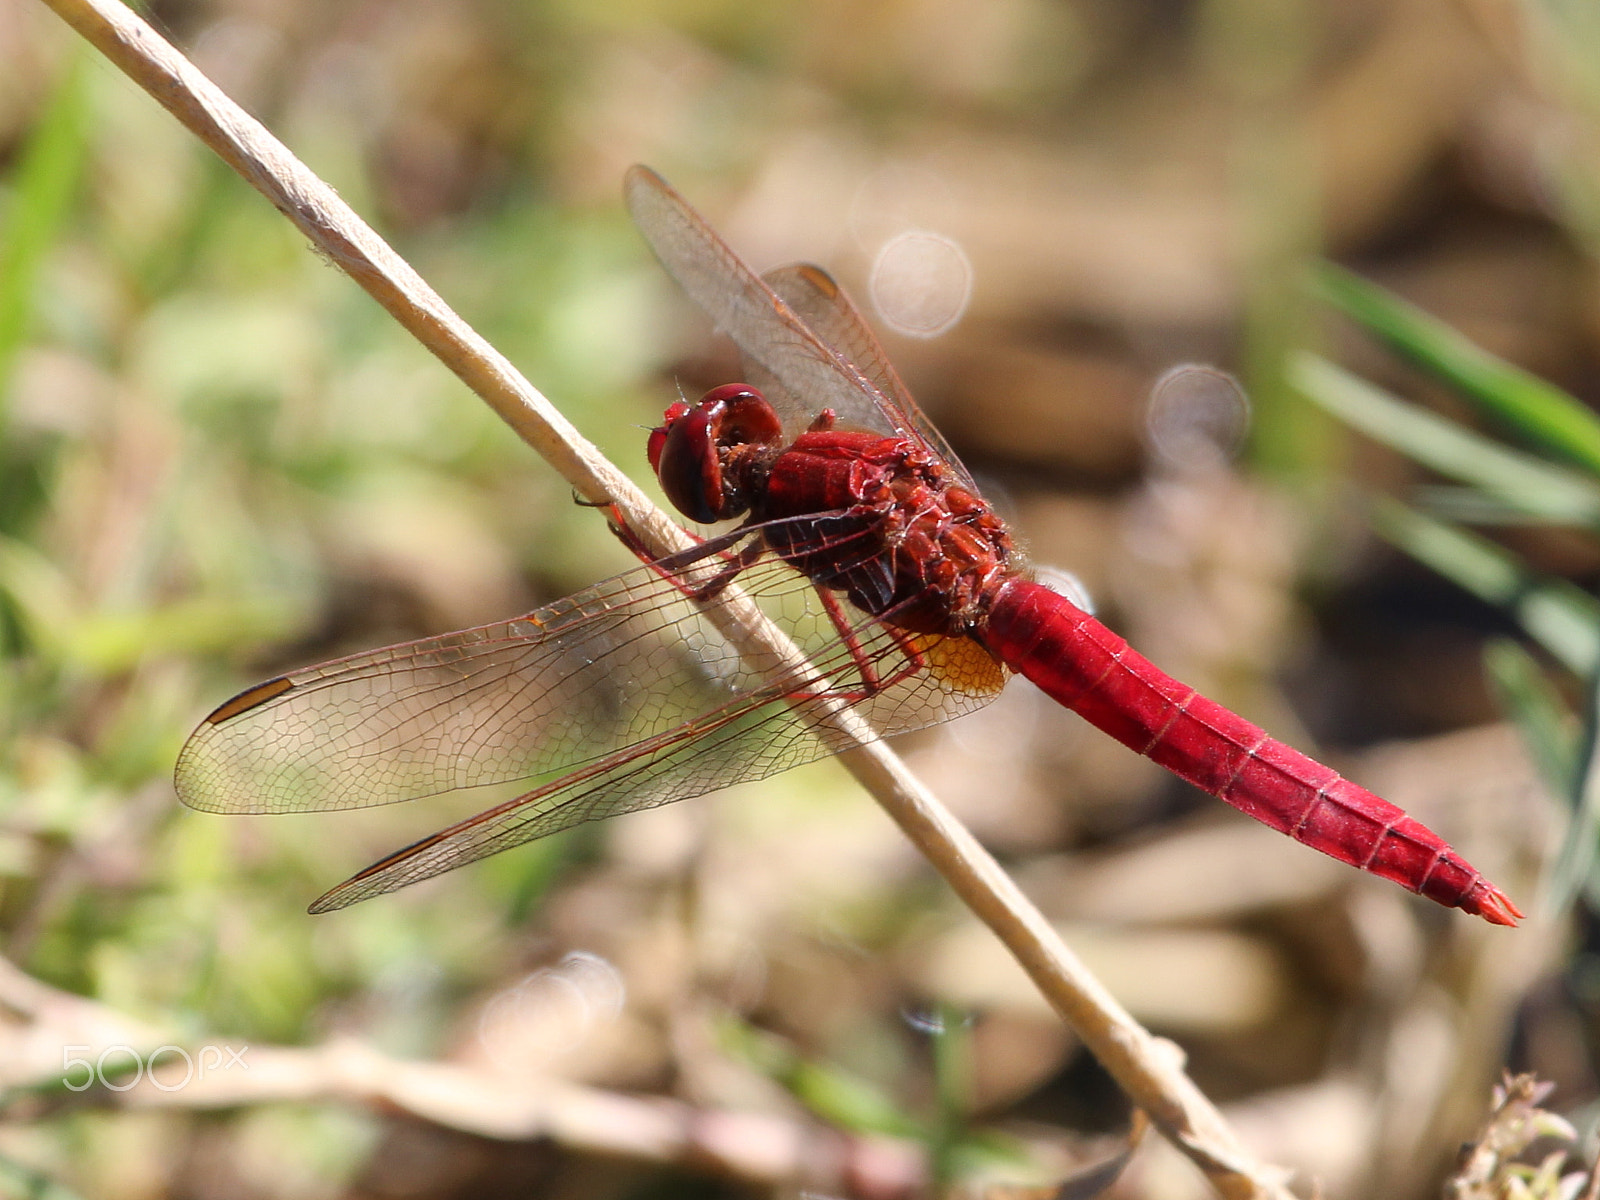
(1083, 665)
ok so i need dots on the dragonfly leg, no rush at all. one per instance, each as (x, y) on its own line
(735, 561)
(871, 682)
(620, 530)
(732, 564)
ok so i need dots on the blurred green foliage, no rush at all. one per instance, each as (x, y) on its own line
(208, 416)
(1495, 484)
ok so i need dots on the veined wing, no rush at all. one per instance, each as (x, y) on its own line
(625, 695)
(750, 737)
(813, 374)
(568, 683)
(819, 301)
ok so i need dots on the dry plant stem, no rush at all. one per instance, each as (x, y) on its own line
(1148, 1069)
(495, 1100)
(756, 1149)
(499, 1099)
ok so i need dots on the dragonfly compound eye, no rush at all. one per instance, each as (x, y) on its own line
(658, 435)
(692, 451)
(688, 468)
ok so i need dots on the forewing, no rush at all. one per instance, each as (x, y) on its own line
(818, 300)
(600, 677)
(766, 329)
(573, 681)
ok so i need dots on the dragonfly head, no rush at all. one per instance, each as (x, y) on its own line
(703, 453)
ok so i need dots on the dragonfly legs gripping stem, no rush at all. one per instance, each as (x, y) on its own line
(733, 561)
(871, 682)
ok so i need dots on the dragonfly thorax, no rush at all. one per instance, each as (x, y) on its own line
(890, 527)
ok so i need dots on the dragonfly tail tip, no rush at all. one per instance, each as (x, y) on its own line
(1493, 905)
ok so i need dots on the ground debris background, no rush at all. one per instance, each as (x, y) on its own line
(219, 460)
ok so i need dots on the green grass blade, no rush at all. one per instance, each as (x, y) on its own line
(1547, 726)
(1546, 415)
(951, 1036)
(1469, 506)
(1574, 866)
(1562, 618)
(837, 1096)
(1521, 481)
(46, 177)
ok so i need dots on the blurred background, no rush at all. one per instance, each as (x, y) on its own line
(220, 460)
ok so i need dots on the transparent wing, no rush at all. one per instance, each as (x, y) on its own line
(813, 374)
(818, 300)
(623, 696)
(751, 737)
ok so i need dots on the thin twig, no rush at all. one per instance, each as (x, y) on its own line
(487, 1098)
(1147, 1068)
(506, 1098)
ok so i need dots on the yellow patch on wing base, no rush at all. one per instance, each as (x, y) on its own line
(966, 665)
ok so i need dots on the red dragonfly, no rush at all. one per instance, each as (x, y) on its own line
(864, 537)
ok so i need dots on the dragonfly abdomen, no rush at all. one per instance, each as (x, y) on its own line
(1085, 666)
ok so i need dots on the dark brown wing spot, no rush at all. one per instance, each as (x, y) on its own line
(818, 278)
(250, 698)
(329, 900)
